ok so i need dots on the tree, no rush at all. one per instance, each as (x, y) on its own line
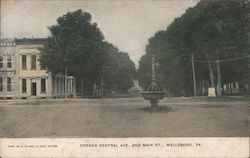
(212, 30)
(78, 44)
(71, 43)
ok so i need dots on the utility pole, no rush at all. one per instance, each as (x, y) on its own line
(248, 61)
(218, 76)
(248, 75)
(194, 79)
(210, 72)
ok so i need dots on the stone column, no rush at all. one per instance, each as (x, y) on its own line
(74, 88)
(60, 85)
(55, 85)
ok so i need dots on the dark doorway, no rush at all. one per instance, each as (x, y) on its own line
(33, 89)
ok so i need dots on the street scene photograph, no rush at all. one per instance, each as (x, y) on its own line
(124, 69)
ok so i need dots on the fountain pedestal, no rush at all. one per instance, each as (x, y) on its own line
(154, 103)
(153, 93)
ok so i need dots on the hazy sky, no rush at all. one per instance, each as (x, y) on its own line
(127, 24)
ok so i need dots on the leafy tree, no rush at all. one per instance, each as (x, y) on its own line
(78, 44)
(214, 30)
(71, 43)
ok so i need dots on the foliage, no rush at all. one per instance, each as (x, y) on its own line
(215, 28)
(78, 44)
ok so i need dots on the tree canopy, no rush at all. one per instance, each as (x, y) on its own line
(212, 30)
(78, 44)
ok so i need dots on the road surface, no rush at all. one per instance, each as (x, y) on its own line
(182, 117)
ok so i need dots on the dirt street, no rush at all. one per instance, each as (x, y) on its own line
(182, 117)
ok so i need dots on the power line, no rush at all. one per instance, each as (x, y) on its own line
(233, 59)
(223, 60)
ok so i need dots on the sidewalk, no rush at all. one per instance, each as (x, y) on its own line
(120, 100)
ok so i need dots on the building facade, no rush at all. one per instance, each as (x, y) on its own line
(34, 81)
(23, 76)
(8, 75)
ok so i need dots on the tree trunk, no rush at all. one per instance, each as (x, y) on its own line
(82, 86)
(94, 90)
(101, 87)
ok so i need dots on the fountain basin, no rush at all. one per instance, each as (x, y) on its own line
(153, 95)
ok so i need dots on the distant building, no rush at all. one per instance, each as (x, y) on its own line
(8, 76)
(23, 76)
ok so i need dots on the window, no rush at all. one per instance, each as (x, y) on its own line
(1, 62)
(1, 84)
(24, 62)
(24, 87)
(43, 85)
(9, 88)
(9, 61)
(42, 65)
(33, 62)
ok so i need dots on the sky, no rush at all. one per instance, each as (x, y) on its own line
(128, 24)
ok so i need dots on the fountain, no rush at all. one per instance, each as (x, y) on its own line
(153, 93)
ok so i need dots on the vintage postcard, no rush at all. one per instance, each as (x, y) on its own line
(124, 78)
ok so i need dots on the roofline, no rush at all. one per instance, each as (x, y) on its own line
(27, 41)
